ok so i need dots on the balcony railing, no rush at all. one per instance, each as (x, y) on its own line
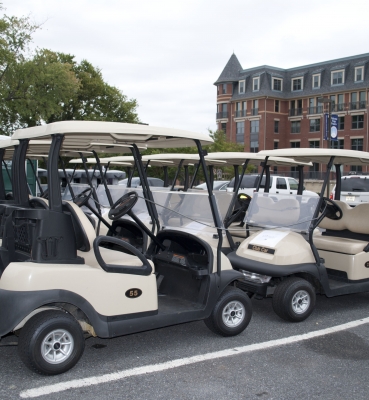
(315, 110)
(254, 111)
(223, 114)
(294, 112)
(338, 107)
(240, 113)
(357, 105)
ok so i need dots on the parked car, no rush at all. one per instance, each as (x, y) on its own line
(217, 185)
(278, 184)
(136, 182)
(354, 189)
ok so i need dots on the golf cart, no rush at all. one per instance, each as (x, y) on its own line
(306, 245)
(61, 280)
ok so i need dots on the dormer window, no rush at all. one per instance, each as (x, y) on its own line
(359, 74)
(241, 87)
(338, 77)
(297, 84)
(277, 84)
(316, 81)
(255, 84)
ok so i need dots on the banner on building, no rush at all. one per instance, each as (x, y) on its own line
(332, 133)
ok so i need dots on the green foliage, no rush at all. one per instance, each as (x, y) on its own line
(45, 86)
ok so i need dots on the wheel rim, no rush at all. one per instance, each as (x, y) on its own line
(233, 314)
(57, 346)
(300, 301)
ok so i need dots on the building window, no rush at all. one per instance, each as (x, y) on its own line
(338, 77)
(357, 144)
(316, 81)
(255, 107)
(314, 144)
(276, 126)
(356, 168)
(255, 84)
(241, 87)
(295, 126)
(224, 88)
(276, 144)
(254, 146)
(362, 100)
(295, 145)
(240, 135)
(224, 127)
(276, 105)
(297, 84)
(341, 123)
(338, 144)
(315, 125)
(254, 126)
(357, 122)
(277, 84)
(359, 74)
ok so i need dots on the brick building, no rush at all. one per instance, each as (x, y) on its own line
(268, 107)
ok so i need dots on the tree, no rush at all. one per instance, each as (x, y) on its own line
(45, 86)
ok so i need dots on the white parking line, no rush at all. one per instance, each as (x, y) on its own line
(149, 369)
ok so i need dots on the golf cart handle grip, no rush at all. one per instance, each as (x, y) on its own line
(145, 269)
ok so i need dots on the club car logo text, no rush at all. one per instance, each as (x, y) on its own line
(133, 293)
(261, 249)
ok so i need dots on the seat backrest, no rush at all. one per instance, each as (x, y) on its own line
(85, 233)
(355, 219)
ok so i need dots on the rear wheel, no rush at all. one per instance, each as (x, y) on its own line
(294, 299)
(51, 342)
(231, 314)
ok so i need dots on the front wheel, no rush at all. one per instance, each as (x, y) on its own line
(51, 342)
(231, 314)
(294, 299)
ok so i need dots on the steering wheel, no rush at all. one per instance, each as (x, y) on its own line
(330, 209)
(244, 201)
(83, 198)
(45, 194)
(123, 205)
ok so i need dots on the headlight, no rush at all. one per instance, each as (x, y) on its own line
(252, 277)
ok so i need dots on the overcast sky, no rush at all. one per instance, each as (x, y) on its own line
(167, 54)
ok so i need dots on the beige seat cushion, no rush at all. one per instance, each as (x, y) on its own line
(339, 245)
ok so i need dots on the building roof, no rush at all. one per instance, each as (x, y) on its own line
(233, 73)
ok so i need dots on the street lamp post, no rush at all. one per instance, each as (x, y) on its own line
(329, 102)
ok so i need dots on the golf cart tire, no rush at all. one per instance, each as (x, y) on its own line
(290, 290)
(37, 329)
(230, 300)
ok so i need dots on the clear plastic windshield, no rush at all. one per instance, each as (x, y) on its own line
(293, 212)
(190, 210)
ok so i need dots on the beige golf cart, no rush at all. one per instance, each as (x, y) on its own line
(61, 280)
(305, 245)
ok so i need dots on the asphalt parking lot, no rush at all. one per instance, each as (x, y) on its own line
(330, 366)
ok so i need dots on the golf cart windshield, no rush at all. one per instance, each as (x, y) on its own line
(190, 210)
(293, 212)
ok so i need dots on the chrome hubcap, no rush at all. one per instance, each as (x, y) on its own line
(300, 301)
(233, 314)
(57, 346)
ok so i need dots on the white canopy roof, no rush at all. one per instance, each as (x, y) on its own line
(341, 156)
(81, 135)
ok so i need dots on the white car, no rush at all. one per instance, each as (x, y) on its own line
(354, 189)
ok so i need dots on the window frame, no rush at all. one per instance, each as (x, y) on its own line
(301, 78)
(314, 125)
(357, 123)
(312, 81)
(239, 86)
(281, 83)
(362, 74)
(256, 79)
(336, 72)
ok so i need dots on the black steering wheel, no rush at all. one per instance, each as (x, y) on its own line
(243, 200)
(83, 198)
(123, 206)
(45, 194)
(330, 209)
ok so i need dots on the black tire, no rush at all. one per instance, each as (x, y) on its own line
(31, 345)
(294, 299)
(239, 301)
